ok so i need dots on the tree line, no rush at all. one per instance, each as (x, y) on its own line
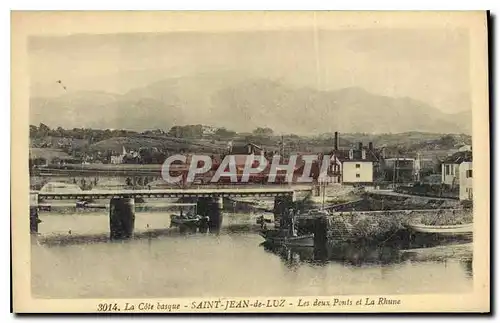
(95, 135)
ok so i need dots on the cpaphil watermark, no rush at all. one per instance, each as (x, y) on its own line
(244, 169)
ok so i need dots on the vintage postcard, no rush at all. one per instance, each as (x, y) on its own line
(238, 162)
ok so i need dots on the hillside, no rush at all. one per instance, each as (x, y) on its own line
(402, 144)
(161, 143)
(243, 105)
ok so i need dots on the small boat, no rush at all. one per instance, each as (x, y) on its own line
(190, 219)
(446, 230)
(185, 220)
(288, 236)
(276, 237)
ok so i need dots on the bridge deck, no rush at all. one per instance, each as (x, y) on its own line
(173, 193)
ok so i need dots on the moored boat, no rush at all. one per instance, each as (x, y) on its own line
(188, 219)
(277, 237)
(184, 220)
(288, 235)
(447, 230)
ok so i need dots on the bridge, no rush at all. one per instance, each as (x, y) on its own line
(209, 202)
(173, 193)
(95, 176)
(127, 175)
(101, 170)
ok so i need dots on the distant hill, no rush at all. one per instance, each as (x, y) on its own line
(163, 143)
(243, 105)
(410, 144)
(464, 118)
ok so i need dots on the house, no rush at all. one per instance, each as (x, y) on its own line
(246, 149)
(465, 180)
(208, 130)
(353, 166)
(450, 167)
(241, 152)
(118, 159)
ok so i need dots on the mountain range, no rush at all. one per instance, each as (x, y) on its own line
(243, 105)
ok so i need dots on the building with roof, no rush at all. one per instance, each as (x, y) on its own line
(354, 166)
(450, 167)
(240, 153)
(244, 149)
(465, 180)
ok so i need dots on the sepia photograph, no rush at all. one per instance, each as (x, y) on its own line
(257, 161)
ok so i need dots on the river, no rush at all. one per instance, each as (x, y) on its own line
(161, 262)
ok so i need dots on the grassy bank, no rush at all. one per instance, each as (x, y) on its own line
(364, 227)
(447, 217)
(382, 227)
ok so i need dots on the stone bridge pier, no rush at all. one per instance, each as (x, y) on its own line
(211, 207)
(34, 220)
(121, 218)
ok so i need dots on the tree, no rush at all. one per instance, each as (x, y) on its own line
(188, 131)
(43, 130)
(265, 132)
(146, 155)
(224, 133)
(175, 131)
(33, 131)
(447, 141)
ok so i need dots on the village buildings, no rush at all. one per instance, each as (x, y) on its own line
(355, 165)
(456, 171)
(465, 179)
(450, 167)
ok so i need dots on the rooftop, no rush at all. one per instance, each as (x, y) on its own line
(459, 157)
(343, 155)
(245, 149)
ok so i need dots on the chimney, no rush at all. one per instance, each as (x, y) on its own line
(360, 146)
(363, 154)
(370, 146)
(336, 143)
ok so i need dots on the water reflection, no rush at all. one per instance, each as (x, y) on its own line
(467, 265)
(391, 253)
(163, 262)
(347, 254)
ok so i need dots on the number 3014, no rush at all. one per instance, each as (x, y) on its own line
(105, 307)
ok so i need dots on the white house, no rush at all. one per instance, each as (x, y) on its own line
(465, 177)
(450, 168)
(118, 159)
(450, 173)
(355, 166)
(357, 171)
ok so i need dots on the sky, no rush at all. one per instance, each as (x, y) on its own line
(430, 65)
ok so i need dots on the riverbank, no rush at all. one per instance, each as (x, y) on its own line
(460, 251)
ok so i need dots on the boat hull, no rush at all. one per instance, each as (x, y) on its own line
(189, 222)
(445, 230)
(299, 241)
